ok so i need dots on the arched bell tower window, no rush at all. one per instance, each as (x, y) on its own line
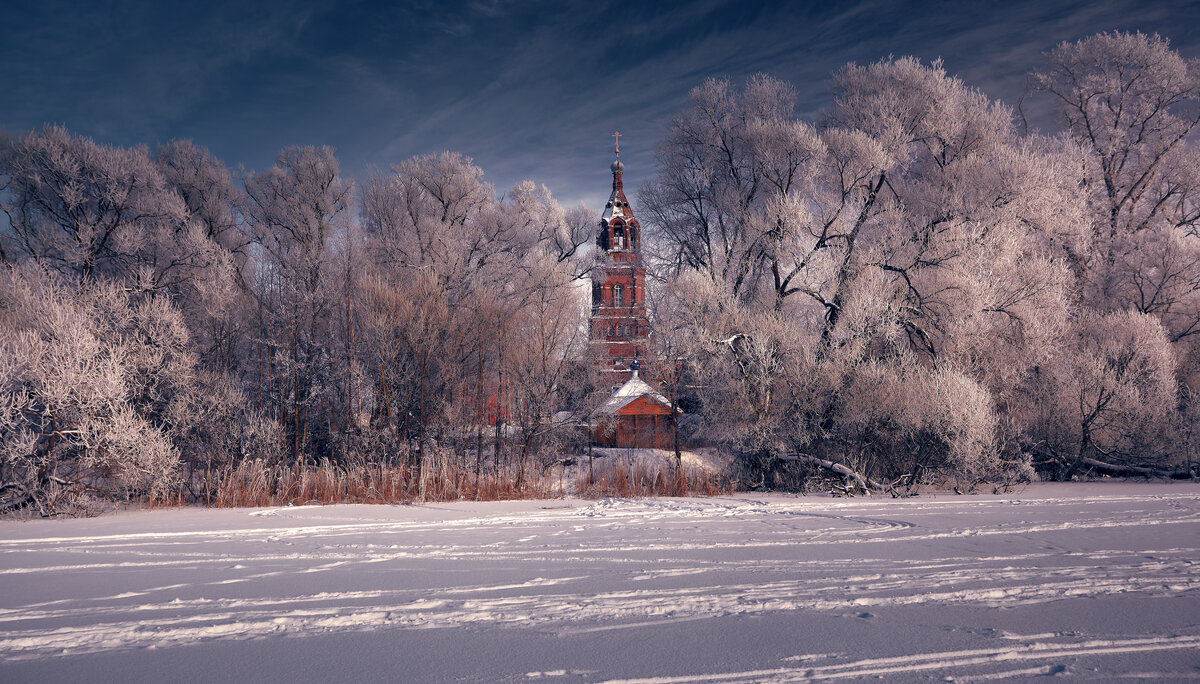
(618, 295)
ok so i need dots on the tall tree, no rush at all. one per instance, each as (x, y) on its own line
(85, 209)
(214, 298)
(906, 234)
(296, 210)
(1132, 104)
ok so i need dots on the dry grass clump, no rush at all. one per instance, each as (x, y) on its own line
(254, 483)
(441, 476)
(645, 480)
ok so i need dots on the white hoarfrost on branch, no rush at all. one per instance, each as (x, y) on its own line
(88, 384)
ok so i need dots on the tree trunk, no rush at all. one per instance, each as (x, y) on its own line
(421, 413)
(675, 434)
(499, 402)
(1135, 470)
(479, 414)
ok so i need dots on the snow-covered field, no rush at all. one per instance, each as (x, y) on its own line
(1088, 581)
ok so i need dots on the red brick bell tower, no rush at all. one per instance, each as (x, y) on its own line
(619, 328)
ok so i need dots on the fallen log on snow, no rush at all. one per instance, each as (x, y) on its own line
(866, 483)
(1135, 470)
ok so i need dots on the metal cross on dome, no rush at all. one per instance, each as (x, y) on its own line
(617, 141)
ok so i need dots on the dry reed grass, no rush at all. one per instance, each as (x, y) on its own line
(640, 480)
(253, 483)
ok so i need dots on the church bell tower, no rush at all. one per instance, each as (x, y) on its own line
(620, 329)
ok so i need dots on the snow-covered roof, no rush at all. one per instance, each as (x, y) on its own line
(626, 394)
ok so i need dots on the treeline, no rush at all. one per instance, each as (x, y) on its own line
(909, 289)
(162, 321)
(913, 288)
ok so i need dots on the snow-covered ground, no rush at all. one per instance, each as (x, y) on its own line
(1089, 581)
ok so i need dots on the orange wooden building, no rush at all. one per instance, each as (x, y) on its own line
(634, 416)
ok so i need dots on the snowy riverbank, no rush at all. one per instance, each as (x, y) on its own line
(1080, 579)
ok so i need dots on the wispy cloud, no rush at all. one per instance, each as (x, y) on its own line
(530, 89)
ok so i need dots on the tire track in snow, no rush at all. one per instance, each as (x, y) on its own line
(948, 660)
(233, 618)
(732, 556)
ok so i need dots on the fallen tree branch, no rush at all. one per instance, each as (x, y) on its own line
(865, 483)
(1134, 470)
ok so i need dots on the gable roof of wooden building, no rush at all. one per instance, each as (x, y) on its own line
(625, 400)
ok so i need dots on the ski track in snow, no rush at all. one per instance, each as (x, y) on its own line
(610, 565)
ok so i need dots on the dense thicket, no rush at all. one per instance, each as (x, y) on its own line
(908, 289)
(912, 288)
(162, 322)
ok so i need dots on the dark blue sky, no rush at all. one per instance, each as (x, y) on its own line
(528, 89)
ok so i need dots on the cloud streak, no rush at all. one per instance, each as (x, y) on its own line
(528, 89)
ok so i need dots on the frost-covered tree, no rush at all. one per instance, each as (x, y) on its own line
(550, 331)
(1132, 105)
(85, 209)
(1111, 398)
(491, 278)
(425, 215)
(296, 211)
(214, 298)
(436, 247)
(728, 174)
(911, 234)
(93, 387)
(1131, 102)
